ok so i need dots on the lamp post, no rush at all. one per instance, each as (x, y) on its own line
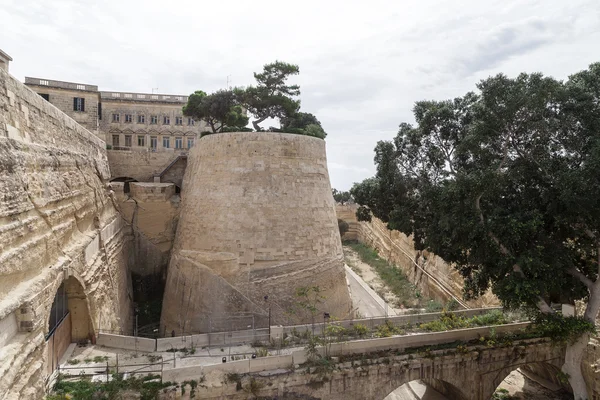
(269, 306)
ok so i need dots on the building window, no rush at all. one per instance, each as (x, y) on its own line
(154, 119)
(153, 142)
(43, 82)
(116, 117)
(178, 143)
(78, 104)
(191, 121)
(178, 120)
(99, 110)
(190, 143)
(141, 119)
(128, 118)
(45, 96)
(141, 141)
(115, 140)
(166, 120)
(80, 87)
(166, 142)
(127, 140)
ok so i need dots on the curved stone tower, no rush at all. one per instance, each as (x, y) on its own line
(257, 219)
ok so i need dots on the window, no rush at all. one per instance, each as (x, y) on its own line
(154, 97)
(191, 121)
(153, 142)
(81, 87)
(178, 143)
(78, 104)
(166, 142)
(43, 82)
(141, 119)
(128, 118)
(141, 141)
(99, 110)
(128, 95)
(115, 140)
(127, 140)
(116, 117)
(45, 96)
(190, 143)
(178, 120)
(154, 119)
(166, 120)
(116, 95)
(141, 96)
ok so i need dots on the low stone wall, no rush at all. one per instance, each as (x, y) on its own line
(142, 165)
(213, 339)
(399, 320)
(126, 342)
(337, 349)
(434, 277)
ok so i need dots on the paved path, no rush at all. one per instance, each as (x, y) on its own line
(364, 299)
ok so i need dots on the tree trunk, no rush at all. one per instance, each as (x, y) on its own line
(572, 366)
(575, 351)
(258, 121)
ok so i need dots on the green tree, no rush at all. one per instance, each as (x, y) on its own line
(220, 110)
(341, 196)
(303, 123)
(343, 227)
(504, 184)
(272, 97)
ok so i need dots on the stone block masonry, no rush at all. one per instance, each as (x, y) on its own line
(59, 234)
(257, 219)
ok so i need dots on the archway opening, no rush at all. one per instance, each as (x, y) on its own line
(69, 321)
(535, 381)
(426, 389)
(126, 181)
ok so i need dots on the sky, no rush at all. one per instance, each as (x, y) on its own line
(363, 64)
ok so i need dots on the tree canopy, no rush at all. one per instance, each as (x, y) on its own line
(220, 110)
(304, 124)
(504, 183)
(272, 97)
(341, 196)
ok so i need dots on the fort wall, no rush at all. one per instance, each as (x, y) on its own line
(434, 277)
(58, 228)
(257, 219)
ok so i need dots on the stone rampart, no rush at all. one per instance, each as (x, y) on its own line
(434, 277)
(257, 219)
(57, 226)
(143, 165)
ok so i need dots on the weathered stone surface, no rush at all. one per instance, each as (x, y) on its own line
(257, 218)
(57, 224)
(440, 282)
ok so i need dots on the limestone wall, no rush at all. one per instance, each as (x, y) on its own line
(257, 219)
(141, 165)
(57, 224)
(435, 278)
(152, 209)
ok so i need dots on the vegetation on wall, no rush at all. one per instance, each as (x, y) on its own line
(221, 110)
(271, 97)
(503, 183)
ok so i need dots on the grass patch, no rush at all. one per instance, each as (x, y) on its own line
(449, 321)
(87, 390)
(393, 277)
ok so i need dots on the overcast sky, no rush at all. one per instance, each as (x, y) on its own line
(363, 64)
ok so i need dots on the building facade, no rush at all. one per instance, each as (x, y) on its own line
(124, 120)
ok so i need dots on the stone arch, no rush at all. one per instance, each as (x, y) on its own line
(547, 370)
(70, 298)
(126, 181)
(443, 387)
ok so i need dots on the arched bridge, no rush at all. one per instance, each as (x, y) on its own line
(460, 373)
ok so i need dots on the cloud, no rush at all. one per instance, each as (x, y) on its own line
(362, 64)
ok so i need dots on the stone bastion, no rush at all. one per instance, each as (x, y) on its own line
(257, 219)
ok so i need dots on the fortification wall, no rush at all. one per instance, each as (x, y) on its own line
(143, 165)
(152, 210)
(57, 224)
(257, 219)
(399, 249)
